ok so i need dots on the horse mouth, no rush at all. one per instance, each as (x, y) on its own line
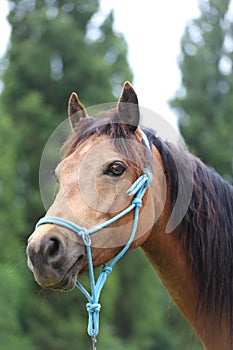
(68, 281)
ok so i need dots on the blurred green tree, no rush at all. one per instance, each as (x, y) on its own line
(204, 104)
(12, 285)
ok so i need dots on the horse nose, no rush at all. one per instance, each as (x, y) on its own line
(50, 251)
(52, 248)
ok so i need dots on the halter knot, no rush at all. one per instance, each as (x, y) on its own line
(107, 270)
(83, 233)
(137, 202)
(93, 308)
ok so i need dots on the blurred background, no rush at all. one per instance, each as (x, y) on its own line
(179, 57)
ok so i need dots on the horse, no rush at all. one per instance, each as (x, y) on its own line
(192, 255)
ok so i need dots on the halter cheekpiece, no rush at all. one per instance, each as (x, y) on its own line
(137, 189)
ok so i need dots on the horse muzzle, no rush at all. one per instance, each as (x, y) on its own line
(54, 258)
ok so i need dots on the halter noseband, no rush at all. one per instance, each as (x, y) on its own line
(93, 306)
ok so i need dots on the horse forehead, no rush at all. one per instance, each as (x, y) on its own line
(96, 145)
(93, 150)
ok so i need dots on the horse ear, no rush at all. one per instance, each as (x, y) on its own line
(128, 108)
(76, 110)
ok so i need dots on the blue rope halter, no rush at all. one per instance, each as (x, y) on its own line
(93, 306)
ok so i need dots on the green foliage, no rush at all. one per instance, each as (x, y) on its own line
(204, 104)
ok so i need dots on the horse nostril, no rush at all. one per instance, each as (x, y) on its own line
(50, 251)
(53, 247)
(53, 251)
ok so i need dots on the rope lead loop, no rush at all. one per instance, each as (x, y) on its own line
(93, 310)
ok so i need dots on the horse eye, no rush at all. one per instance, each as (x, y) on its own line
(115, 169)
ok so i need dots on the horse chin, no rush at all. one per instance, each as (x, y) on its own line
(65, 285)
(68, 281)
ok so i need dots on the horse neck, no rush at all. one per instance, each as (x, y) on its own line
(169, 257)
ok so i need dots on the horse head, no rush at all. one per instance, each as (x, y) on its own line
(102, 159)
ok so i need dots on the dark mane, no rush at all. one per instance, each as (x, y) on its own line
(207, 227)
